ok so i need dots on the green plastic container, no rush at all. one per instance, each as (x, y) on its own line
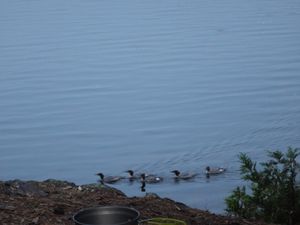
(163, 221)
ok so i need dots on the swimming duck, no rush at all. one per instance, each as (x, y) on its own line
(109, 179)
(214, 171)
(131, 175)
(151, 179)
(183, 176)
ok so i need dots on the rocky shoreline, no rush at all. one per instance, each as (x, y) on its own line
(54, 202)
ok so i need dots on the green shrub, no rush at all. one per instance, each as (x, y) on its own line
(273, 195)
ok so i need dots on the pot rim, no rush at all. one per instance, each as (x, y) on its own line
(136, 218)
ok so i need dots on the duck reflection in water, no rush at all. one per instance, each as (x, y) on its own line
(143, 186)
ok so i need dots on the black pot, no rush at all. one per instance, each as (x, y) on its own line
(107, 215)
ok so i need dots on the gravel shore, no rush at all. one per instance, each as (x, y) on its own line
(54, 202)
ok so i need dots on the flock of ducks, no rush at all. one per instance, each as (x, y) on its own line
(151, 178)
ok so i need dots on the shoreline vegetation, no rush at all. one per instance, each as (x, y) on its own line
(55, 202)
(274, 194)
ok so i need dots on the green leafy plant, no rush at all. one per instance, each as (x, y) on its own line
(274, 195)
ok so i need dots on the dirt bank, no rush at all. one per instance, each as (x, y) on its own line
(53, 202)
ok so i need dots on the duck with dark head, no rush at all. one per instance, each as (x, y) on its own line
(132, 176)
(214, 171)
(109, 179)
(150, 179)
(183, 176)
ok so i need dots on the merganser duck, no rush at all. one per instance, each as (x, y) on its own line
(131, 175)
(214, 171)
(151, 179)
(184, 176)
(109, 179)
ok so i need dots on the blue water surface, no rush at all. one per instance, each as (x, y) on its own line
(90, 86)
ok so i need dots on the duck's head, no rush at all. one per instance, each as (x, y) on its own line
(130, 172)
(176, 172)
(207, 169)
(100, 175)
(143, 177)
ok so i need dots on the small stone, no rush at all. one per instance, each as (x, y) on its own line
(59, 210)
(151, 195)
(35, 220)
(7, 207)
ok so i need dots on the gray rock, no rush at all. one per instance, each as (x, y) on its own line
(22, 188)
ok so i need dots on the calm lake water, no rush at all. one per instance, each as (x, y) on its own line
(90, 86)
